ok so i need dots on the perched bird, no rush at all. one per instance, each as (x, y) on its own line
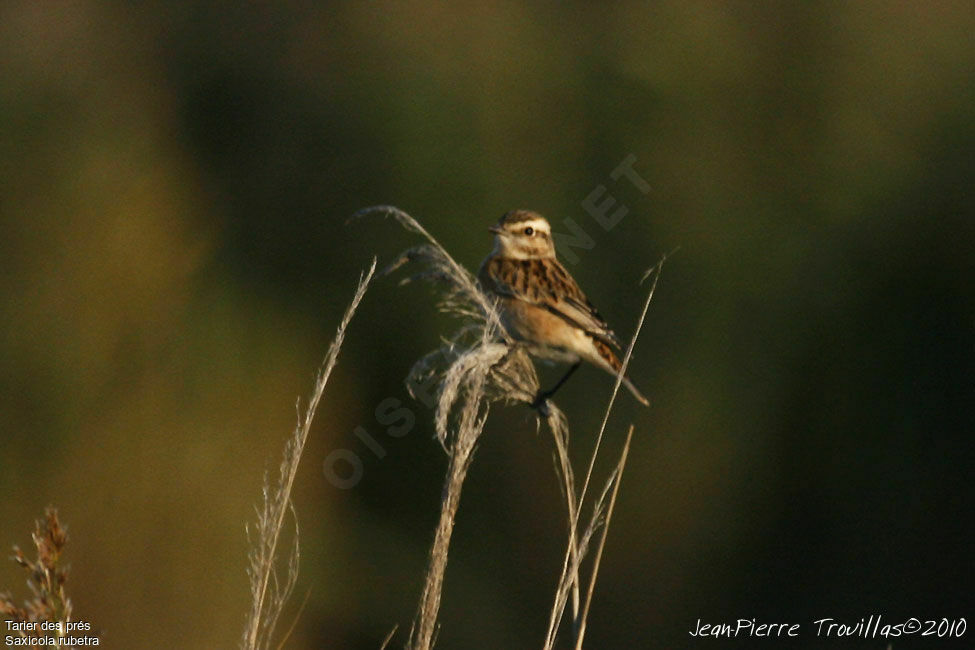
(541, 305)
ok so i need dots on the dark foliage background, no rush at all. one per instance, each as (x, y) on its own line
(174, 184)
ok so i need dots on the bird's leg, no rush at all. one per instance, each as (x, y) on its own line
(544, 395)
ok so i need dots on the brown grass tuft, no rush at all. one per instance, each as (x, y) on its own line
(46, 577)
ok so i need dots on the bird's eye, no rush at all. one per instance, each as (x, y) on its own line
(529, 231)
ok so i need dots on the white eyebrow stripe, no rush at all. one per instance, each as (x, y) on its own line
(537, 224)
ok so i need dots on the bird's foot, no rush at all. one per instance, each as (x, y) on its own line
(540, 403)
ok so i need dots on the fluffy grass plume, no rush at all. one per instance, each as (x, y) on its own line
(476, 367)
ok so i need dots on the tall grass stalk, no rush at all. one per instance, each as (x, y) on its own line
(617, 477)
(579, 540)
(269, 589)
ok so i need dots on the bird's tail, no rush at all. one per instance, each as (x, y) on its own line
(611, 363)
(636, 392)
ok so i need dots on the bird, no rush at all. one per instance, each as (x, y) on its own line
(541, 306)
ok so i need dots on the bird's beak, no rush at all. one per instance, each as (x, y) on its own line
(495, 229)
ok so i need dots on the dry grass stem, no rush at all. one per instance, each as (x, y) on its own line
(269, 589)
(563, 468)
(570, 578)
(617, 476)
(578, 543)
(655, 271)
(389, 637)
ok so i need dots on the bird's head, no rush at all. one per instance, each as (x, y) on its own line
(523, 235)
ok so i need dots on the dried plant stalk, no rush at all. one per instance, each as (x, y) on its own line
(579, 542)
(269, 590)
(617, 475)
(476, 367)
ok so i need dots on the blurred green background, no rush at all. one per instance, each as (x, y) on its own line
(175, 180)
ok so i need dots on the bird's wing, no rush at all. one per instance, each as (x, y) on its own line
(547, 284)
